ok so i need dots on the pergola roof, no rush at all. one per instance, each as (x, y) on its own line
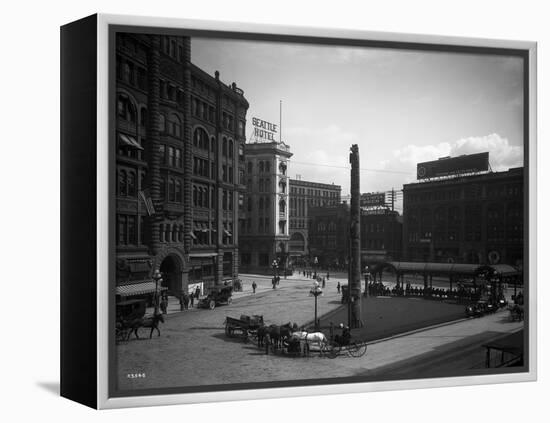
(448, 268)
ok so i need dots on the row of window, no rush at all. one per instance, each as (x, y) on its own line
(171, 156)
(171, 47)
(127, 184)
(131, 73)
(469, 191)
(127, 229)
(171, 189)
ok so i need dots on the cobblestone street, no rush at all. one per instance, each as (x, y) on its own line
(193, 349)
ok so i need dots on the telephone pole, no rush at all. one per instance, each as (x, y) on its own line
(355, 241)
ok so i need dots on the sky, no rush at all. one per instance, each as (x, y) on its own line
(401, 107)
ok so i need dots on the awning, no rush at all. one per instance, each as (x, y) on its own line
(129, 141)
(138, 288)
(203, 255)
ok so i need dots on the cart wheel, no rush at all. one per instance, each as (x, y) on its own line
(212, 305)
(357, 350)
(229, 300)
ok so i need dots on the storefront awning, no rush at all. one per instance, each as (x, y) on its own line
(139, 288)
(129, 141)
(200, 255)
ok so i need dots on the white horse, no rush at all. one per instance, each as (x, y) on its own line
(311, 339)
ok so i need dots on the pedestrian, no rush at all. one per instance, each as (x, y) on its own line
(192, 300)
(328, 276)
(254, 285)
(186, 301)
(338, 287)
(324, 283)
(181, 302)
(164, 304)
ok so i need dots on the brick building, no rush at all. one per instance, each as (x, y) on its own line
(180, 166)
(465, 219)
(381, 235)
(328, 236)
(264, 213)
(303, 195)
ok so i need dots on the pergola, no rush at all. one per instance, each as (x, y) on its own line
(496, 273)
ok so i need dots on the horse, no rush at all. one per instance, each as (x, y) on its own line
(276, 334)
(315, 339)
(146, 322)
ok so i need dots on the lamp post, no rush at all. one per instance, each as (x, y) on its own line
(315, 292)
(157, 277)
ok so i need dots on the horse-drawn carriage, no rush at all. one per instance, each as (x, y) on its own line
(245, 326)
(130, 316)
(217, 297)
(126, 312)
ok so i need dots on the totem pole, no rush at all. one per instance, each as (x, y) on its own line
(355, 241)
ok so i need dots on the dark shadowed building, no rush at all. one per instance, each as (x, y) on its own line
(465, 219)
(179, 167)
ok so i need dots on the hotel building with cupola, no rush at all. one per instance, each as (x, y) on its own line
(264, 224)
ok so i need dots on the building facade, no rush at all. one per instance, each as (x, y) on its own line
(180, 137)
(465, 219)
(329, 236)
(381, 235)
(303, 195)
(264, 213)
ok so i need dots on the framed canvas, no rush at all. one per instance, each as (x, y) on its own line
(254, 211)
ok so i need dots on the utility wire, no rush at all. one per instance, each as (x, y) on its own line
(348, 167)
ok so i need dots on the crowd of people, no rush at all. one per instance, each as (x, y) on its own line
(460, 294)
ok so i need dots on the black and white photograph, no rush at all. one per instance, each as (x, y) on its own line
(300, 211)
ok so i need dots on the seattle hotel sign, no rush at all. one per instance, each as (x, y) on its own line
(264, 130)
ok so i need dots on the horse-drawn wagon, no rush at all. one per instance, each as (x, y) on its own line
(245, 326)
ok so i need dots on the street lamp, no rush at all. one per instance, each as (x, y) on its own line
(157, 277)
(315, 292)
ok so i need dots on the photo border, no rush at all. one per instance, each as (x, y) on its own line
(109, 24)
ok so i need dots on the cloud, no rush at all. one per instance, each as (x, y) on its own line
(502, 155)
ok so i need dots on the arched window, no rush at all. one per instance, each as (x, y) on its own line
(125, 108)
(249, 167)
(161, 232)
(174, 125)
(162, 122)
(230, 149)
(200, 138)
(122, 183)
(267, 167)
(261, 167)
(261, 203)
(195, 199)
(224, 147)
(131, 184)
(266, 204)
(171, 190)
(167, 231)
(213, 145)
